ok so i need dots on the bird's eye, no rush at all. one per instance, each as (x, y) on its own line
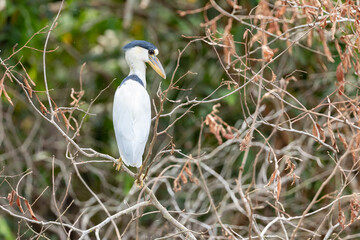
(151, 52)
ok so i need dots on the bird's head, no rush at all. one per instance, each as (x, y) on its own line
(139, 50)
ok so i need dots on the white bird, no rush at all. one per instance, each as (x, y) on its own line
(132, 109)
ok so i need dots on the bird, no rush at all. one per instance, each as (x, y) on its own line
(131, 106)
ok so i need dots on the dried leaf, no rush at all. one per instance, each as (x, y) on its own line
(272, 178)
(333, 29)
(28, 87)
(30, 210)
(278, 188)
(11, 197)
(273, 76)
(343, 141)
(309, 38)
(255, 38)
(183, 178)
(356, 67)
(42, 106)
(27, 75)
(317, 129)
(285, 29)
(327, 51)
(341, 217)
(226, 134)
(216, 125)
(354, 207)
(338, 48)
(268, 53)
(332, 135)
(323, 23)
(245, 142)
(228, 41)
(340, 77)
(188, 171)
(246, 33)
(177, 186)
(18, 203)
(67, 123)
(291, 166)
(7, 96)
(281, 11)
(328, 5)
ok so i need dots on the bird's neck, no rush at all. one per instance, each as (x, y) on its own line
(139, 69)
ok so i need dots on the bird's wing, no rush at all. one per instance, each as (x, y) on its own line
(132, 120)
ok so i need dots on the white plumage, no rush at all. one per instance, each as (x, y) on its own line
(132, 120)
(132, 109)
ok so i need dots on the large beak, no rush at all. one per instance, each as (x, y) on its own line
(156, 65)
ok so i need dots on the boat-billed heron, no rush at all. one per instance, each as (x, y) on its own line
(132, 109)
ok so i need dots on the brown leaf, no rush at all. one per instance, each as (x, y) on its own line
(246, 33)
(333, 29)
(11, 197)
(27, 75)
(278, 188)
(281, 11)
(183, 178)
(341, 217)
(42, 106)
(332, 135)
(356, 67)
(18, 203)
(30, 210)
(268, 53)
(272, 178)
(340, 77)
(354, 207)
(309, 38)
(7, 96)
(289, 165)
(323, 23)
(225, 134)
(214, 127)
(327, 51)
(188, 170)
(343, 141)
(67, 123)
(177, 186)
(328, 5)
(285, 29)
(228, 41)
(273, 76)
(28, 87)
(317, 129)
(255, 38)
(338, 48)
(245, 142)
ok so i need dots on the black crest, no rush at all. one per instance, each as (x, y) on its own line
(139, 43)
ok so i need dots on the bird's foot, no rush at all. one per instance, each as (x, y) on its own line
(118, 164)
(139, 182)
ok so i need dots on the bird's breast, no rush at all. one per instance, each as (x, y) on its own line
(132, 98)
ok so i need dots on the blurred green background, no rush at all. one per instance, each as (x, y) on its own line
(93, 32)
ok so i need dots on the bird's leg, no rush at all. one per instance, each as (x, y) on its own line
(139, 181)
(119, 164)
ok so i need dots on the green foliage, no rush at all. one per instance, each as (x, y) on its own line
(5, 230)
(93, 33)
